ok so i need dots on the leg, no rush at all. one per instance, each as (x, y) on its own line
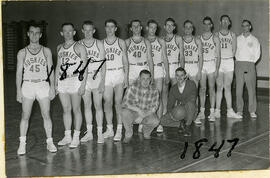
(228, 77)
(108, 103)
(149, 122)
(202, 94)
(99, 114)
(128, 119)
(219, 94)
(239, 76)
(164, 95)
(159, 84)
(250, 79)
(212, 95)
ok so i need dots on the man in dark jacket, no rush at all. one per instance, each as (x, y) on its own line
(181, 103)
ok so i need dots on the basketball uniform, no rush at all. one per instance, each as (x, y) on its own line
(137, 56)
(191, 55)
(159, 71)
(114, 63)
(227, 62)
(173, 56)
(71, 83)
(34, 75)
(209, 55)
(93, 52)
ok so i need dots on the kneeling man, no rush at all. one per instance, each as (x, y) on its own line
(140, 104)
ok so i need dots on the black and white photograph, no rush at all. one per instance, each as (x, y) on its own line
(135, 87)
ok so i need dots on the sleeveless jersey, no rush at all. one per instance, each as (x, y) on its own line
(172, 50)
(92, 52)
(35, 65)
(68, 57)
(226, 45)
(209, 48)
(113, 54)
(137, 52)
(191, 53)
(156, 51)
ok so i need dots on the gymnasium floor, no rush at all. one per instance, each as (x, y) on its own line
(160, 154)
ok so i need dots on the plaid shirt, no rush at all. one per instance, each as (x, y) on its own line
(144, 99)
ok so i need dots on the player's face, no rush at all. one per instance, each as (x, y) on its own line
(34, 34)
(152, 28)
(88, 31)
(136, 28)
(169, 27)
(110, 29)
(225, 22)
(180, 77)
(145, 80)
(246, 27)
(68, 32)
(188, 29)
(207, 25)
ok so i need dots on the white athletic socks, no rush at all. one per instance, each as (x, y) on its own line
(22, 147)
(50, 146)
(89, 135)
(118, 135)
(100, 138)
(67, 138)
(75, 140)
(109, 132)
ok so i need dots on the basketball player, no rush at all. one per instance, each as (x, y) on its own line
(95, 81)
(71, 58)
(174, 46)
(161, 69)
(192, 53)
(226, 69)
(116, 77)
(211, 62)
(33, 63)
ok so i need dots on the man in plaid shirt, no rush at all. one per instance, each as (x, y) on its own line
(140, 104)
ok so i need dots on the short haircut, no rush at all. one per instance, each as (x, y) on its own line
(188, 21)
(88, 22)
(135, 20)
(180, 69)
(170, 20)
(223, 16)
(249, 22)
(110, 21)
(208, 18)
(152, 21)
(35, 25)
(145, 72)
(67, 23)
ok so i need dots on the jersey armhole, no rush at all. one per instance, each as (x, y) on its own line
(96, 41)
(75, 43)
(129, 41)
(118, 41)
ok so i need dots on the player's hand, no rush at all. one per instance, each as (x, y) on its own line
(19, 96)
(125, 83)
(101, 87)
(198, 76)
(81, 90)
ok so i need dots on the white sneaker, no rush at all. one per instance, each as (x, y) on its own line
(118, 136)
(240, 114)
(160, 128)
(22, 148)
(108, 133)
(87, 137)
(198, 120)
(140, 128)
(253, 115)
(232, 114)
(201, 115)
(51, 147)
(212, 117)
(217, 113)
(100, 138)
(75, 142)
(66, 140)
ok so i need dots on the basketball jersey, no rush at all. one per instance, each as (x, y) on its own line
(113, 54)
(137, 52)
(35, 65)
(191, 52)
(156, 51)
(226, 45)
(208, 48)
(172, 50)
(92, 52)
(68, 57)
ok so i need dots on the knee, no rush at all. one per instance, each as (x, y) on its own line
(220, 86)
(67, 109)
(46, 115)
(202, 89)
(76, 109)
(98, 106)
(227, 87)
(107, 105)
(25, 116)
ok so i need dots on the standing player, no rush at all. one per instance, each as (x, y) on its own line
(161, 69)
(33, 63)
(71, 58)
(139, 52)
(116, 77)
(94, 83)
(192, 53)
(211, 62)
(226, 69)
(174, 46)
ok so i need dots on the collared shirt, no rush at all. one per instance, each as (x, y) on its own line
(181, 89)
(248, 48)
(145, 99)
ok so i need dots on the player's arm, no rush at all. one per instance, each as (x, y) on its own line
(57, 70)
(165, 58)
(48, 55)
(257, 50)
(199, 43)
(129, 101)
(149, 57)
(124, 60)
(180, 44)
(234, 43)
(103, 68)
(218, 54)
(19, 73)
(80, 49)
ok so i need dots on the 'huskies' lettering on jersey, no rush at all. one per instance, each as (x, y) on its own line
(191, 51)
(113, 54)
(226, 45)
(137, 52)
(209, 48)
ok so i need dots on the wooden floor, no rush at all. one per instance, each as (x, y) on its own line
(160, 154)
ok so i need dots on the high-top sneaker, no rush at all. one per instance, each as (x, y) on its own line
(109, 132)
(100, 137)
(75, 140)
(88, 134)
(22, 147)
(118, 135)
(50, 146)
(67, 139)
(140, 128)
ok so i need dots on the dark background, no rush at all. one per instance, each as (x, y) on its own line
(55, 13)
